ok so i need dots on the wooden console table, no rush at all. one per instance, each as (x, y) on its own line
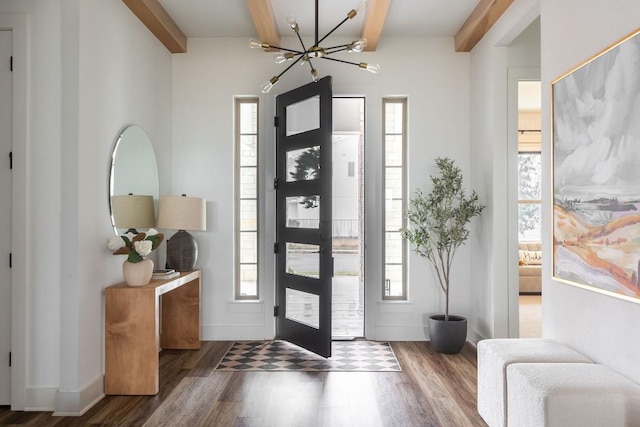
(132, 330)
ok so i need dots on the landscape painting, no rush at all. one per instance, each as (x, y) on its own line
(596, 172)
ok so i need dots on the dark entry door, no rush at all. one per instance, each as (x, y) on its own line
(304, 266)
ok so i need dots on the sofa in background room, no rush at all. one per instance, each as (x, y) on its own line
(530, 267)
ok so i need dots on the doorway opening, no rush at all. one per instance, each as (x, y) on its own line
(529, 209)
(347, 313)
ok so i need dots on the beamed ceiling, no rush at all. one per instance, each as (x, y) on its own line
(173, 21)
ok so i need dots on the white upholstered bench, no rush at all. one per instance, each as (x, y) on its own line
(496, 355)
(570, 395)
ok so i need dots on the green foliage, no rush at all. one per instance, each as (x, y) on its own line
(438, 221)
(307, 168)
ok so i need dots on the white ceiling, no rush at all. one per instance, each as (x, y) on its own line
(231, 18)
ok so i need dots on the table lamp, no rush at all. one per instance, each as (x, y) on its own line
(132, 212)
(182, 213)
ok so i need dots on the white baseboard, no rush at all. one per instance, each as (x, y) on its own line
(399, 333)
(40, 399)
(76, 403)
(474, 337)
(234, 332)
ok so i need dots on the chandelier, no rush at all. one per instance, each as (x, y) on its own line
(307, 55)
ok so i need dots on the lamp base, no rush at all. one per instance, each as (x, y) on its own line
(182, 251)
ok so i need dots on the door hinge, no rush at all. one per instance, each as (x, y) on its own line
(11, 64)
(276, 184)
(276, 121)
(10, 159)
(10, 259)
(276, 312)
(9, 359)
(276, 248)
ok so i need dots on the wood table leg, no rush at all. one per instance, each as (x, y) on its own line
(131, 342)
(181, 317)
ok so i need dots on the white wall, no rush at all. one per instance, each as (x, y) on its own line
(490, 62)
(602, 327)
(42, 172)
(93, 69)
(205, 81)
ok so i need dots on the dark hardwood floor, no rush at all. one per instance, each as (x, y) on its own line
(432, 390)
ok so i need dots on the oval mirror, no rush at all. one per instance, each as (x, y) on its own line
(133, 181)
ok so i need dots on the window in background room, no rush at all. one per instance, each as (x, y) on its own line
(529, 166)
(529, 197)
(246, 197)
(395, 125)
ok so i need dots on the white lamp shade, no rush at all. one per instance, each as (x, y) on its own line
(182, 213)
(133, 211)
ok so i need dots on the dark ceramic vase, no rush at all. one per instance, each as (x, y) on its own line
(182, 251)
(447, 336)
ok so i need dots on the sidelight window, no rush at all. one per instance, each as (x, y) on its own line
(395, 125)
(246, 197)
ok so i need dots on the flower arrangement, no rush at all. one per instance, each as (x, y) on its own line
(136, 246)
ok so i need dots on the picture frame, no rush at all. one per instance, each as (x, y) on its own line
(596, 172)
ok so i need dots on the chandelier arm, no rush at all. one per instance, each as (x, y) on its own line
(342, 60)
(316, 30)
(338, 46)
(288, 50)
(314, 73)
(310, 64)
(289, 67)
(301, 42)
(334, 28)
(341, 49)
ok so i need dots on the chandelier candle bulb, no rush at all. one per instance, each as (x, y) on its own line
(374, 68)
(257, 44)
(283, 57)
(358, 45)
(291, 20)
(266, 86)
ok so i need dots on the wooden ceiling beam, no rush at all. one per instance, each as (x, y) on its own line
(486, 13)
(374, 22)
(264, 20)
(158, 21)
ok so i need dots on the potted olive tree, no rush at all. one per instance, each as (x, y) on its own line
(437, 227)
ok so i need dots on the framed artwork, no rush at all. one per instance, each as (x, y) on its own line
(596, 172)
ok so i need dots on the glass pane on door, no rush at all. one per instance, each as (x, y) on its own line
(303, 212)
(303, 260)
(303, 116)
(303, 307)
(303, 164)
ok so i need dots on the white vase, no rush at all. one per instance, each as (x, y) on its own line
(137, 273)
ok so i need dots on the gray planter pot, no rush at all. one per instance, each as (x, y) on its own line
(447, 336)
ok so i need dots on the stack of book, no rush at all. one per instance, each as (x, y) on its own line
(164, 274)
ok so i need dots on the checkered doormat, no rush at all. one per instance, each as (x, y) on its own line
(348, 356)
